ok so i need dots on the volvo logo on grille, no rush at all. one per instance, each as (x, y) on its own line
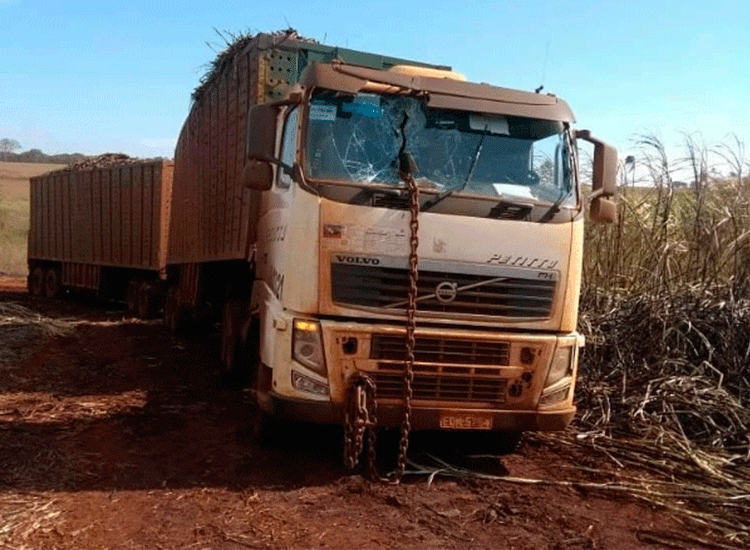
(446, 292)
(359, 260)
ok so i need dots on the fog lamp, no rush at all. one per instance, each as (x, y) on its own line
(556, 396)
(306, 384)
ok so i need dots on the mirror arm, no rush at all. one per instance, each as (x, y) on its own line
(596, 194)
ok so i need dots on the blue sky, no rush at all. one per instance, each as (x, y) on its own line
(96, 76)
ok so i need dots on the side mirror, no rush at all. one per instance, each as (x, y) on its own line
(603, 210)
(260, 139)
(604, 179)
(257, 175)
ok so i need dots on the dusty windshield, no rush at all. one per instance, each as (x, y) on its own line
(358, 139)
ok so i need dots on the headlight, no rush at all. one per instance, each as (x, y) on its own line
(307, 345)
(562, 365)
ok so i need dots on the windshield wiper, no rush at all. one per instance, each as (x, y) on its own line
(445, 194)
(555, 208)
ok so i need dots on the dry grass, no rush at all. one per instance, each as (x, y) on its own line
(664, 383)
(14, 212)
(23, 330)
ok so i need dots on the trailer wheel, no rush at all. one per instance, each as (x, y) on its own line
(52, 283)
(131, 297)
(175, 315)
(231, 343)
(36, 282)
(145, 301)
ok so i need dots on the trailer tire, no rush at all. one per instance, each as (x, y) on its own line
(232, 350)
(175, 314)
(146, 303)
(36, 282)
(131, 296)
(52, 284)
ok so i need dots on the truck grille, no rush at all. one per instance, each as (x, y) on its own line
(386, 287)
(444, 369)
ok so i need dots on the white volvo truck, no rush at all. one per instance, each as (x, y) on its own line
(499, 225)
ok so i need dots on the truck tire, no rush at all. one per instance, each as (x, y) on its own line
(232, 350)
(146, 301)
(175, 314)
(36, 282)
(269, 430)
(52, 283)
(131, 296)
(504, 442)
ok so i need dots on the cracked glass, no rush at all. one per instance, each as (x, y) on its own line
(357, 139)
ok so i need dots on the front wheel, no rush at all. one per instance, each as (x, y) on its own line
(505, 442)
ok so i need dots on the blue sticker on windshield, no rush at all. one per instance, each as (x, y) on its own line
(363, 105)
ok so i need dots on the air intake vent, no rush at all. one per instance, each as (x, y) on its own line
(440, 350)
(453, 293)
(445, 369)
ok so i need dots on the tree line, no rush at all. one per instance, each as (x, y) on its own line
(8, 148)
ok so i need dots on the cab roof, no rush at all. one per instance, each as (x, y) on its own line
(440, 92)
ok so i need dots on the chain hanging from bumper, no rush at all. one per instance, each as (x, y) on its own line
(360, 416)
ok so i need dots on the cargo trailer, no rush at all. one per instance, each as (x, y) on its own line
(102, 229)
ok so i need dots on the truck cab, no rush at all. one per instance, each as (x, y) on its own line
(498, 248)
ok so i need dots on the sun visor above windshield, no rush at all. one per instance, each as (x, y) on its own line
(442, 93)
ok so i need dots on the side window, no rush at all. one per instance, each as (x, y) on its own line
(288, 147)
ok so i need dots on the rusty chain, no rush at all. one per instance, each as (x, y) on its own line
(360, 415)
(358, 418)
(411, 323)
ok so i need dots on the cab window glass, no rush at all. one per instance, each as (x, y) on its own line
(288, 147)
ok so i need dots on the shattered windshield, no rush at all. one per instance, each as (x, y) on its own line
(357, 138)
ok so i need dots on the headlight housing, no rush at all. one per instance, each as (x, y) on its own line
(307, 345)
(562, 365)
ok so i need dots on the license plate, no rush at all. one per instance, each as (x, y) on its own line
(465, 421)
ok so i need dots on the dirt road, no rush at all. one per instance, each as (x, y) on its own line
(119, 435)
